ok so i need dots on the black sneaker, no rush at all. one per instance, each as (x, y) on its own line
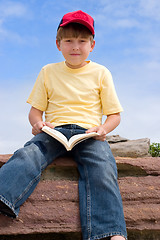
(4, 209)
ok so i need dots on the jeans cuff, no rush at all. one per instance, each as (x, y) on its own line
(7, 208)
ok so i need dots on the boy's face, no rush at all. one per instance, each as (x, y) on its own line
(75, 50)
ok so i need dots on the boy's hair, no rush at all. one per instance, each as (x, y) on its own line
(74, 30)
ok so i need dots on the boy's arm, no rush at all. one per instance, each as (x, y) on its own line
(36, 120)
(109, 125)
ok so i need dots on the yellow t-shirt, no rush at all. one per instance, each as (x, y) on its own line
(75, 96)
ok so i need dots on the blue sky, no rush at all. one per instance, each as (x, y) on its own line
(127, 43)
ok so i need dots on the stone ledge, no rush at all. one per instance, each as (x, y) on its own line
(151, 165)
(126, 166)
(53, 208)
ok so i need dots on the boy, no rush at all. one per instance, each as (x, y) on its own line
(72, 94)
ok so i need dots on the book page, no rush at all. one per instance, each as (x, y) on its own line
(80, 137)
(56, 134)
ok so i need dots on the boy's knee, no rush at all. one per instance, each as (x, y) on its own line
(29, 153)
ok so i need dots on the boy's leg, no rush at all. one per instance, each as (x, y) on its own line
(21, 174)
(117, 238)
(101, 208)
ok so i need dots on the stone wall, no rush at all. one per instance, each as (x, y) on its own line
(52, 211)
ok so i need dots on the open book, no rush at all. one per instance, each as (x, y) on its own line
(69, 144)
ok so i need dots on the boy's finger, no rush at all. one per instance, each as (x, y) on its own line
(101, 132)
(93, 129)
(49, 124)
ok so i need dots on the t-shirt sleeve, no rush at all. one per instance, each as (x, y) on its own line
(38, 96)
(109, 98)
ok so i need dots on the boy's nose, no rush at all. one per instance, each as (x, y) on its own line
(75, 46)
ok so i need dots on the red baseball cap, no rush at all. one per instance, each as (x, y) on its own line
(78, 17)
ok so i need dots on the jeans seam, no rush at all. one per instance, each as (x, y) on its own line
(31, 183)
(88, 203)
(27, 188)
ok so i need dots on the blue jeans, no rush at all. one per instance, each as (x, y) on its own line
(101, 208)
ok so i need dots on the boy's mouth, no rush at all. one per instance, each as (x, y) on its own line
(75, 54)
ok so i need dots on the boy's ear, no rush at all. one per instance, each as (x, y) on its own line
(92, 45)
(58, 45)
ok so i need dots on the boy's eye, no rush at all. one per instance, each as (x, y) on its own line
(83, 40)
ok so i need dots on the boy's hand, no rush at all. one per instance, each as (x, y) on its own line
(109, 125)
(100, 130)
(37, 127)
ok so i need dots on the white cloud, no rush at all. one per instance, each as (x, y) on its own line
(127, 13)
(10, 35)
(141, 119)
(150, 9)
(12, 9)
(132, 28)
(151, 46)
(14, 128)
(138, 87)
(126, 23)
